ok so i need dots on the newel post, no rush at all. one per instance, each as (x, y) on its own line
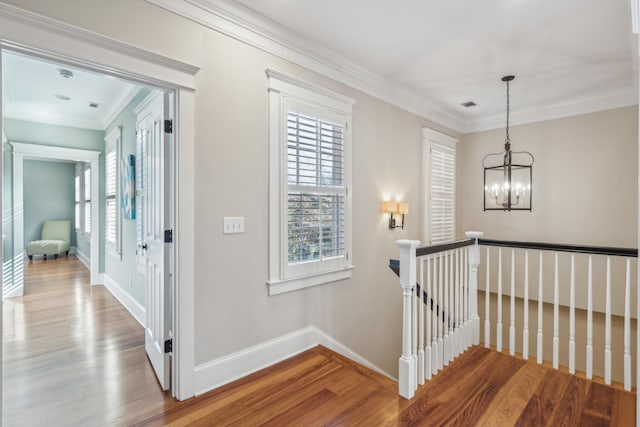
(474, 263)
(407, 364)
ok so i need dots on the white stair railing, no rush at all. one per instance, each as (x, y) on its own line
(564, 277)
(439, 310)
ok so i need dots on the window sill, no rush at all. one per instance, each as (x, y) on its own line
(277, 287)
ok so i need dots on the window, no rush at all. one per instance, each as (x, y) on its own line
(77, 198)
(310, 203)
(440, 164)
(87, 200)
(112, 217)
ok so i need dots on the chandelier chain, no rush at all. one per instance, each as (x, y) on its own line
(507, 139)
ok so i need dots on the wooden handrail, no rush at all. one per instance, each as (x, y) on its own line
(434, 249)
(560, 247)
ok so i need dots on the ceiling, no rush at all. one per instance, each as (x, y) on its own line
(35, 91)
(568, 56)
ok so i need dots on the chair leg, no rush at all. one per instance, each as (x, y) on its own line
(45, 257)
(55, 256)
(66, 253)
(30, 257)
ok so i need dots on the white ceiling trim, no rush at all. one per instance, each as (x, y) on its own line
(104, 50)
(247, 27)
(604, 101)
(125, 100)
(57, 120)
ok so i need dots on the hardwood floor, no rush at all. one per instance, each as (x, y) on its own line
(74, 356)
(480, 388)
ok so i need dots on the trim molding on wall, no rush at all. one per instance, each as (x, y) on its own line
(134, 307)
(242, 24)
(83, 258)
(231, 367)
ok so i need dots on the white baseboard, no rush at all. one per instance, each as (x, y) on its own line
(83, 258)
(134, 307)
(229, 368)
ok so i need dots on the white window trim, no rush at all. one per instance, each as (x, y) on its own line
(87, 234)
(430, 137)
(113, 140)
(281, 87)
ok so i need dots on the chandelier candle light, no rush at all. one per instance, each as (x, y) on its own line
(507, 182)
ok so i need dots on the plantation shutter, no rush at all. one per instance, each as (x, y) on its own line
(87, 200)
(316, 190)
(111, 208)
(442, 194)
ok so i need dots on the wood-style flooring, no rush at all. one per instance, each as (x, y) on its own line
(480, 388)
(74, 356)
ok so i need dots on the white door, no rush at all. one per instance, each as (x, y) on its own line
(154, 220)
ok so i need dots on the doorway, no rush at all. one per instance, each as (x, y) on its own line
(32, 34)
(99, 211)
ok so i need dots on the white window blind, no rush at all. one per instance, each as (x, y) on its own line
(310, 237)
(87, 200)
(111, 225)
(442, 195)
(316, 189)
(77, 201)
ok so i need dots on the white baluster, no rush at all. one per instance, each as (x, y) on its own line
(414, 330)
(556, 336)
(421, 364)
(452, 304)
(539, 335)
(406, 363)
(474, 263)
(512, 307)
(428, 356)
(459, 324)
(447, 312)
(627, 329)
(572, 317)
(590, 320)
(441, 314)
(499, 324)
(465, 309)
(487, 292)
(607, 327)
(525, 329)
(455, 281)
(436, 350)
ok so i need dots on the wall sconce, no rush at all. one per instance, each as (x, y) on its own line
(395, 208)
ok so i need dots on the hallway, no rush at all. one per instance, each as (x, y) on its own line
(72, 354)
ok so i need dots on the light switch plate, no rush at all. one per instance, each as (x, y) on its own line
(233, 225)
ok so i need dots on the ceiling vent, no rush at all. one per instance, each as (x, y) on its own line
(93, 104)
(67, 74)
(468, 104)
(62, 97)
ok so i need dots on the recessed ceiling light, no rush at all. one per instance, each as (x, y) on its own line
(93, 104)
(62, 97)
(67, 74)
(468, 104)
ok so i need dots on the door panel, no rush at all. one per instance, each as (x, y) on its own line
(154, 164)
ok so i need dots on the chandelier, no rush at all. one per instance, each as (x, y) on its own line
(507, 175)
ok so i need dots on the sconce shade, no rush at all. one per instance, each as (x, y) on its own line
(389, 207)
(403, 208)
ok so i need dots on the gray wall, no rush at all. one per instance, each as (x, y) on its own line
(44, 134)
(48, 195)
(125, 271)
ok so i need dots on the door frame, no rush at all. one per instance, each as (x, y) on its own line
(25, 151)
(29, 33)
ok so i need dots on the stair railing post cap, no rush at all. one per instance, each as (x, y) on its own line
(474, 234)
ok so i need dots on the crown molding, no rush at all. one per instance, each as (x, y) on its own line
(255, 30)
(605, 101)
(67, 30)
(57, 120)
(125, 99)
